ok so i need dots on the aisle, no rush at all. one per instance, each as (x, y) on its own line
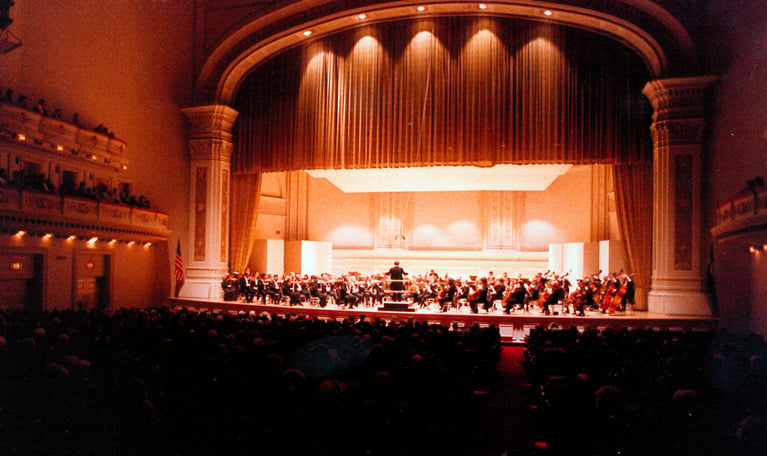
(508, 423)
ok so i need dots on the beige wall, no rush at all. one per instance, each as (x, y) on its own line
(461, 232)
(127, 65)
(133, 283)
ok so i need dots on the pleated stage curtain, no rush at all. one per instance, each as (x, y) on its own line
(633, 201)
(246, 192)
(446, 91)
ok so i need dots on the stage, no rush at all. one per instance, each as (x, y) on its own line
(514, 327)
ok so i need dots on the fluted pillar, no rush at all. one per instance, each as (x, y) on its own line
(677, 131)
(210, 148)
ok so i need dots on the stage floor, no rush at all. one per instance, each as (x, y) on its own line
(514, 327)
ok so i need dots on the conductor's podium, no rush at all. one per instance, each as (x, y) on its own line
(389, 305)
(397, 306)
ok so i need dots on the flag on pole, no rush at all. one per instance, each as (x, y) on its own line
(179, 268)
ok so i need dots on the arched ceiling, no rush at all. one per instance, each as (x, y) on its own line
(642, 25)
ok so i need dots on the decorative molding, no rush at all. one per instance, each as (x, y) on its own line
(200, 213)
(210, 149)
(211, 122)
(683, 211)
(223, 253)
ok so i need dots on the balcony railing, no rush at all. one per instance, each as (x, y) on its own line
(42, 213)
(62, 138)
(744, 213)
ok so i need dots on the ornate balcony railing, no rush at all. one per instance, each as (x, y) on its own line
(63, 138)
(744, 213)
(64, 215)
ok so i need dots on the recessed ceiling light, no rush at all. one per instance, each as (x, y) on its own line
(547, 12)
(307, 32)
(482, 6)
(362, 16)
(421, 8)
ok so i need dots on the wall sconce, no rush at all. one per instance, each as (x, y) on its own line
(148, 244)
(71, 238)
(21, 137)
(21, 233)
(16, 266)
(89, 265)
(47, 235)
(93, 240)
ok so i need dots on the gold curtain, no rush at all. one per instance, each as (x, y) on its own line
(246, 192)
(446, 91)
(633, 201)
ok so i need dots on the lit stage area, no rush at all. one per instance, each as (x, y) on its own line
(513, 327)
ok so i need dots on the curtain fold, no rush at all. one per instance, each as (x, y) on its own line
(633, 201)
(246, 192)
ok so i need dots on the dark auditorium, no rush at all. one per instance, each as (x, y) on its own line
(383, 228)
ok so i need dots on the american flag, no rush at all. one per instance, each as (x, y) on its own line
(179, 269)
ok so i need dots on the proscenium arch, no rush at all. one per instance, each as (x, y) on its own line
(258, 40)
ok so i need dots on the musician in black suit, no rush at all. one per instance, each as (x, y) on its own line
(448, 295)
(479, 296)
(247, 286)
(397, 276)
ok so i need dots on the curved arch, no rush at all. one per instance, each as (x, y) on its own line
(256, 41)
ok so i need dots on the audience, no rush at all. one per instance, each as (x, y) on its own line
(650, 392)
(186, 382)
(99, 192)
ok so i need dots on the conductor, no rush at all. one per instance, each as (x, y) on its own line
(396, 276)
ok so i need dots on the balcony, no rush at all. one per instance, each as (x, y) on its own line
(744, 214)
(43, 213)
(62, 138)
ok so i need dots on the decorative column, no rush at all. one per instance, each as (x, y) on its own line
(677, 131)
(210, 148)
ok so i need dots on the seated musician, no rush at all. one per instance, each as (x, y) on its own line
(515, 298)
(231, 287)
(479, 296)
(448, 296)
(273, 289)
(247, 285)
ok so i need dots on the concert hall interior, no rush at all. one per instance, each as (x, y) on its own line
(153, 152)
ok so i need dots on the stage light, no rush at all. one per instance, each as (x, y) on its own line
(307, 32)
(547, 12)
(421, 9)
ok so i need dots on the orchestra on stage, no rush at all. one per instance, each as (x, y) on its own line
(545, 293)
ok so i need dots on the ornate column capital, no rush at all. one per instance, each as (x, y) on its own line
(678, 98)
(211, 123)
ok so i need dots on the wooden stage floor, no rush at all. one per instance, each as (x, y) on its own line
(513, 327)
